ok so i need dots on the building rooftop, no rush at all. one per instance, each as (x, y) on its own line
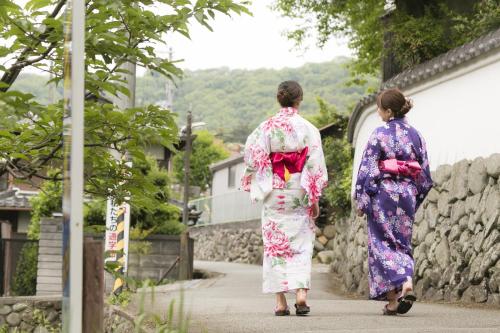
(13, 200)
(226, 163)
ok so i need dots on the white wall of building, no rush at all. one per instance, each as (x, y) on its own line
(458, 114)
(227, 204)
(220, 179)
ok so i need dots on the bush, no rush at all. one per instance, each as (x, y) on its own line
(46, 202)
(24, 281)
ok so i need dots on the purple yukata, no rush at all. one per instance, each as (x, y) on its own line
(390, 202)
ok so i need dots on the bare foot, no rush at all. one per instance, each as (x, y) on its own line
(281, 304)
(392, 297)
(301, 297)
(407, 287)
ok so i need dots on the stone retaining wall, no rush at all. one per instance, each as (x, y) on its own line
(30, 314)
(456, 238)
(234, 242)
(242, 242)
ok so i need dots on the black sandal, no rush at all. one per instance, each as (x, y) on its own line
(302, 309)
(284, 312)
(405, 302)
(388, 312)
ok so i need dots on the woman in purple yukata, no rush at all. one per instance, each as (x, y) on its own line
(392, 182)
(285, 168)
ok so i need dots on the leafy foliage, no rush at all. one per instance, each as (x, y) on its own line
(206, 150)
(24, 281)
(162, 218)
(422, 29)
(338, 158)
(117, 32)
(46, 202)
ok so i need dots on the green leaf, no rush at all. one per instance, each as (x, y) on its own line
(37, 4)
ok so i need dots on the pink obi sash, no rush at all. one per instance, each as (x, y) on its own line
(397, 167)
(285, 164)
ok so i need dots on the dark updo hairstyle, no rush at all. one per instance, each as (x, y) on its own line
(289, 93)
(394, 100)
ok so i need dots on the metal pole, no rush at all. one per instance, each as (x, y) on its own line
(74, 84)
(187, 153)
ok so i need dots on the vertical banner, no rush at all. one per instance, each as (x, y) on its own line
(73, 120)
(116, 242)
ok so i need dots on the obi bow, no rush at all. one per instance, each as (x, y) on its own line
(285, 164)
(397, 167)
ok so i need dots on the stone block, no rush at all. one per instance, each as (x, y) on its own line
(5, 310)
(444, 207)
(457, 211)
(318, 246)
(493, 165)
(329, 231)
(325, 257)
(322, 239)
(18, 307)
(13, 319)
(442, 174)
(458, 182)
(477, 176)
(431, 215)
(443, 253)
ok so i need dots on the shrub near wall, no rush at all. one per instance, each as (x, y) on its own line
(456, 237)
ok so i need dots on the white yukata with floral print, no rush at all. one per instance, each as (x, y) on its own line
(287, 229)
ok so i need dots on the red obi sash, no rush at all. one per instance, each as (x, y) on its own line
(285, 164)
(397, 167)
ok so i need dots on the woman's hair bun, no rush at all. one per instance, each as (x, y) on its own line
(407, 106)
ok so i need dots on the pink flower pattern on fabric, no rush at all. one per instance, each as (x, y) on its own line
(287, 229)
(277, 243)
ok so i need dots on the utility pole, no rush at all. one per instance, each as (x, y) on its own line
(73, 139)
(187, 154)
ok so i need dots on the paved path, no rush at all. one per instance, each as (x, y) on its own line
(233, 303)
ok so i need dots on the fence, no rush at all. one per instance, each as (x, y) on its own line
(11, 254)
(229, 207)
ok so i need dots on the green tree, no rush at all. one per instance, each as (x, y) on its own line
(338, 158)
(116, 32)
(206, 150)
(46, 202)
(422, 29)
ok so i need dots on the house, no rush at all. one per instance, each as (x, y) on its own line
(227, 203)
(15, 207)
(455, 104)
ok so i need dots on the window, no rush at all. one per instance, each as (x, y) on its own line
(231, 176)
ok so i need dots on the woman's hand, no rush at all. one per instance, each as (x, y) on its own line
(360, 212)
(315, 211)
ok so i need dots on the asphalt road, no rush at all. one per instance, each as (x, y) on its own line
(233, 303)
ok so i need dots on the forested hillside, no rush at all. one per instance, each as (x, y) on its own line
(233, 102)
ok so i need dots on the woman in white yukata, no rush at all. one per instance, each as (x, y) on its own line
(285, 168)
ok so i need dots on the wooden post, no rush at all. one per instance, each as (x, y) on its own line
(185, 269)
(187, 167)
(93, 284)
(6, 235)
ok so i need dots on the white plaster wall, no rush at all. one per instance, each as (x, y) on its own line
(220, 180)
(231, 204)
(458, 114)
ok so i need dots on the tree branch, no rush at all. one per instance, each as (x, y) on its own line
(12, 73)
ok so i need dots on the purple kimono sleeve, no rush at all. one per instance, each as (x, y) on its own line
(424, 180)
(368, 174)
